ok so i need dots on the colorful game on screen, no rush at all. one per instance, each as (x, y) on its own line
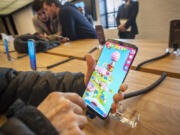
(107, 77)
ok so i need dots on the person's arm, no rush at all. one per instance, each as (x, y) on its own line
(53, 37)
(15, 127)
(26, 120)
(134, 12)
(68, 23)
(59, 113)
(33, 87)
(90, 19)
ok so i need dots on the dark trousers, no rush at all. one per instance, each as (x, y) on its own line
(126, 35)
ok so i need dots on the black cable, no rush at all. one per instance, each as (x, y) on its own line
(92, 50)
(151, 60)
(22, 56)
(19, 57)
(9, 52)
(147, 89)
(61, 62)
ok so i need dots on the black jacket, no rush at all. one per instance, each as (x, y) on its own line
(131, 16)
(21, 92)
(74, 24)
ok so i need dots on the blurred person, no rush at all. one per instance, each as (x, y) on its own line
(88, 17)
(126, 19)
(46, 27)
(74, 24)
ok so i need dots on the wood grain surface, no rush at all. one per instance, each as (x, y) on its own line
(147, 49)
(79, 48)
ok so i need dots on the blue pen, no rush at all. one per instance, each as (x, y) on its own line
(7, 49)
(32, 54)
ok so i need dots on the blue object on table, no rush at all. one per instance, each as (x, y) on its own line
(32, 54)
(7, 49)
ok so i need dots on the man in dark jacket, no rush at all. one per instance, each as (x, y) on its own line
(59, 113)
(74, 24)
(126, 19)
(21, 92)
(88, 17)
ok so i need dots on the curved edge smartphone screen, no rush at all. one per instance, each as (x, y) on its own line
(110, 71)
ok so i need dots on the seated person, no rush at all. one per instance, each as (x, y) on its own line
(58, 112)
(74, 24)
(88, 17)
(47, 28)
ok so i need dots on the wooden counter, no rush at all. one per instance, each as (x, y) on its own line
(159, 109)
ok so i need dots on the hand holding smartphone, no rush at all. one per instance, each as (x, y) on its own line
(109, 73)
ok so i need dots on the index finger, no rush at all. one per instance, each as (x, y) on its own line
(75, 98)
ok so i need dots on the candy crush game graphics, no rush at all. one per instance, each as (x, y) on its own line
(107, 77)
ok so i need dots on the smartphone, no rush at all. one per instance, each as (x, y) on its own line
(32, 54)
(109, 73)
(7, 49)
(174, 35)
(100, 34)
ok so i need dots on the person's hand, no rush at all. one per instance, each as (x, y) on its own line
(43, 36)
(63, 39)
(122, 28)
(90, 68)
(118, 97)
(91, 63)
(65, 110)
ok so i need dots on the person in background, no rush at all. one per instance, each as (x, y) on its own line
(45, 103)
(74, 24)
(126, 19)
(88, 17)
(45, 27)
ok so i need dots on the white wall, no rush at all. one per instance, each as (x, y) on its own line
(23, 21)
(154, 17)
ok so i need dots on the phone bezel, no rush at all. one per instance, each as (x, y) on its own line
(126, 45)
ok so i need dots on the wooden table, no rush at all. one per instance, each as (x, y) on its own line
(152, 48)
(78, 48)
(147, 49)
(43, 60)
(159, 109)
(2, 49)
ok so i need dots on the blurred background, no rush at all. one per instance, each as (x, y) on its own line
(153, 18)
